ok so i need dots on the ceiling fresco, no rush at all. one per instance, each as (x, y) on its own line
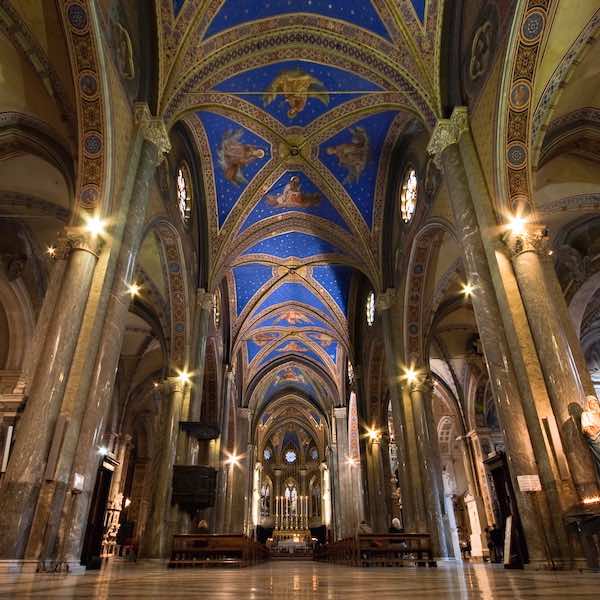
(295, 107)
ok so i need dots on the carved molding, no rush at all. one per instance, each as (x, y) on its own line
(386, 299)
(534, 239)
(154, 130)
(446, 133)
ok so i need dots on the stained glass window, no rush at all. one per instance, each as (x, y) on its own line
(290, 456)
(408, 195)
(370, 309)
(184, 193)
(267, 454)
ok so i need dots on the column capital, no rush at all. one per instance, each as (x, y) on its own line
(204, 299)
(386, 299)
(153, 129)
(422, 384)
(174, 384)
(340, 412)
(75, 238)
(447, 132)
(533, 238)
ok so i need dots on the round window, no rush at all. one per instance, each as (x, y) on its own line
(408, 195)
(290, 456)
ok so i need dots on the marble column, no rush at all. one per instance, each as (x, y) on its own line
(343, 487)
(377, 486)
(421, 396)
(516, 427)
(564, 382)
(40, 431)
(204, 310)
(223, 473)
(157, 536)
(385, 303)
(80, 450)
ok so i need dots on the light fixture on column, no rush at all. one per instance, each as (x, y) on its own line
(184, 376)
(411, 375)
(95, 226)
(232, 460)
(468, 289)
(103, 451)
(373, 434)
(133, 289)
(517, 224)
(51, 251)
(352, 461)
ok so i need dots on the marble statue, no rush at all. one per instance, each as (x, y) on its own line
(590, 426)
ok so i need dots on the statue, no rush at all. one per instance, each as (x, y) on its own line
(590, 427)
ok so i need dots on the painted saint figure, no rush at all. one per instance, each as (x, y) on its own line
(296, 87)
(590, 427)
(293, 196)
(353, 155)
(234, 155)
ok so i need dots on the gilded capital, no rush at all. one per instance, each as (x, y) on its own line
(386, 300)
(447, 132)
(533, 238)
(175, 384)
(153, 129)
(204, 299)
(423, 385)
(75, 238)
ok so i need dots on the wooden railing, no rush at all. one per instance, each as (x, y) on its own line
(387, 550)
(215, 550)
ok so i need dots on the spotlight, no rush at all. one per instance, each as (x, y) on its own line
(95, 226)
(517, 225)
(133, 289)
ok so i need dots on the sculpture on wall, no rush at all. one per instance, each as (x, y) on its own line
(590, 427)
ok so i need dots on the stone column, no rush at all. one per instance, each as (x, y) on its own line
(79, 454)
(516, 427)
(385, 302)
(241, 478)
(204, 307)
(39, 432)
(377, 486)
(223, 474)
(421, 396)
(564, 382)
(157, 536)
(343, 488)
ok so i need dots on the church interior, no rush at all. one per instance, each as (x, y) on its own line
(308, 287)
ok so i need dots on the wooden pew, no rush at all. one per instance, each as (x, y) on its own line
(380, 550)
(215, 550)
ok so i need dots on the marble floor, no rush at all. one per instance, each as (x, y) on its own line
(303, 581)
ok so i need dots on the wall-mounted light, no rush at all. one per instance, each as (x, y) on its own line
(127, 502)
(468, 289)
(133, 289)
(411, 375)
(184, 376)
(51, 251)
(102, 450)
(352, 461)
(517, 224)
(373, 434)
(232, 459)
(95, 226)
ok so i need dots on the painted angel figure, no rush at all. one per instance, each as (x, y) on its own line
(353, 155)
(296, 87)
(234, 155)
(293, 196)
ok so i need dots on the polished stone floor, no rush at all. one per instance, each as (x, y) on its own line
(303, 581)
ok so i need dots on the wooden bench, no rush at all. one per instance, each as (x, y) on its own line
(385, 550)
(215, 550)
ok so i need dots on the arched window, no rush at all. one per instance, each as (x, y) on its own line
(408, 195)
(267, 454)
(265, 499)
(184, 193)
(217, 308)
(370, 309)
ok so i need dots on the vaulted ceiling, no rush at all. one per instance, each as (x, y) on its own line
(295, 107)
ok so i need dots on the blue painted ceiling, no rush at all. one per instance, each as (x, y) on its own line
(296, 150)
